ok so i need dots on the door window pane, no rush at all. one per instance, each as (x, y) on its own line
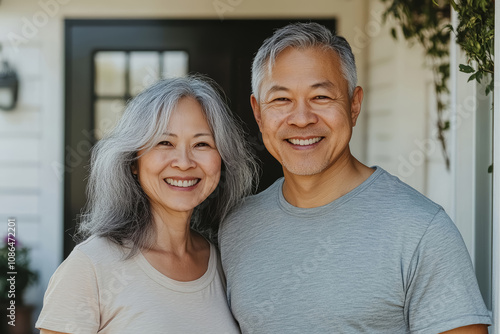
(110, 67)
(106, 116)
(175, 64)
(144, 70)
(120, 75)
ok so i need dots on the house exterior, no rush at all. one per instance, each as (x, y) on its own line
(395, 131)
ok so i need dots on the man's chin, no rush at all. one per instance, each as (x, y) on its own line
(303, 169)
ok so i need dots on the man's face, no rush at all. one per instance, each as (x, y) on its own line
(305, 113)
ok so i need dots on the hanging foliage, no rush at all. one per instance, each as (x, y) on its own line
(475, 34)
(425, 22)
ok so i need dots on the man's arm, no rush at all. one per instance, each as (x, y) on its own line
(472, 329)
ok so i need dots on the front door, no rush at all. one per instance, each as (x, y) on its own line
(109, 61)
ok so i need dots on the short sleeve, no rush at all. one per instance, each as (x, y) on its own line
(71, 302)
(441, 287)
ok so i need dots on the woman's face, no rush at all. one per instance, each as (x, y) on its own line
(183, 168)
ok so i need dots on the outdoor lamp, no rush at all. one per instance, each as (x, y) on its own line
(9, 85)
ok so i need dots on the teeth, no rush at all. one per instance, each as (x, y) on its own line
(181, 183)
(303, 142)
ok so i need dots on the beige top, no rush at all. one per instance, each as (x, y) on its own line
(95, 291)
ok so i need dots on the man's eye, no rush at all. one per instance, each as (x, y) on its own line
(321, 97)
(281, 99)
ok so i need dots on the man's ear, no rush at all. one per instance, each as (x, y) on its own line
(256, 109)
(356, 100)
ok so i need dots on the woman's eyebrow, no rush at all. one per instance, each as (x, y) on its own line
(203, 134)
(195, 136)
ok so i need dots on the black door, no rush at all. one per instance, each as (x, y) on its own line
(223, 50)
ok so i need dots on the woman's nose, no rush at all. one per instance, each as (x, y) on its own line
(183, 159)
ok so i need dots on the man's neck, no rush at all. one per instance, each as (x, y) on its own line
(311, 191)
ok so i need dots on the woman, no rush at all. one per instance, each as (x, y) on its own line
(177, 162)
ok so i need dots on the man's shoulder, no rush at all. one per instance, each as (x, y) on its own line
(395, 206)
(263, 199)
(251, 207)
(389, 189)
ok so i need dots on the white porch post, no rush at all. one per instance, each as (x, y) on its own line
(495, 329)
(452, 141)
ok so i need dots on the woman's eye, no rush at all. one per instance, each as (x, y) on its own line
(165, 143)
(202, 145)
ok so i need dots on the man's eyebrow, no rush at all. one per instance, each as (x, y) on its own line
(277, 88)
(324, 84)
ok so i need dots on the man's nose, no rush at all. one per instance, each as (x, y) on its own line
(302, 115)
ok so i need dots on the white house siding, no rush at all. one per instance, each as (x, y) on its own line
(31, 137)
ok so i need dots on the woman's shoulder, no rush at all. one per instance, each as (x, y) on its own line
(100, 249)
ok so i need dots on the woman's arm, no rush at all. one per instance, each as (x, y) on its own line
(46, 331)
(75, 277)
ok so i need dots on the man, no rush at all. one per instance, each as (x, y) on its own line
(336, 246)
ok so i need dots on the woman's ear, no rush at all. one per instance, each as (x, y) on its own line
(133, 168)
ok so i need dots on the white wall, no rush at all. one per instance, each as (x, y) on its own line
(30, 140)
(32, 136)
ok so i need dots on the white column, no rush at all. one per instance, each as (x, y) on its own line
(462, 145)
(452, 141)
(495, 329)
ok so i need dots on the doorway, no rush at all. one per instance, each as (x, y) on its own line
(109, 61)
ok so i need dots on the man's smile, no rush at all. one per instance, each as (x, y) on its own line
(304, 142)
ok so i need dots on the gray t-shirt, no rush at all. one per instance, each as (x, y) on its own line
(381, 259)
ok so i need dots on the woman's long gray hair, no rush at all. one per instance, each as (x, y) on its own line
(117, 207)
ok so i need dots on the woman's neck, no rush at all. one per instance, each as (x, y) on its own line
(178, 252)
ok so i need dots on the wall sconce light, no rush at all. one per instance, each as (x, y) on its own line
(9, 86)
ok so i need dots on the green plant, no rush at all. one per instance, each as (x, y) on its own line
(475, 35)
(425, 22)
(14, 259)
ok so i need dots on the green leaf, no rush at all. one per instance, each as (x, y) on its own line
(472, 77)
(479, 76)
(490, 87)
(465, 69)
(490, 169)
(393, 33)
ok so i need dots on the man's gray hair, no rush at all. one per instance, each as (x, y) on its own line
(302, 35)
(117, 207)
